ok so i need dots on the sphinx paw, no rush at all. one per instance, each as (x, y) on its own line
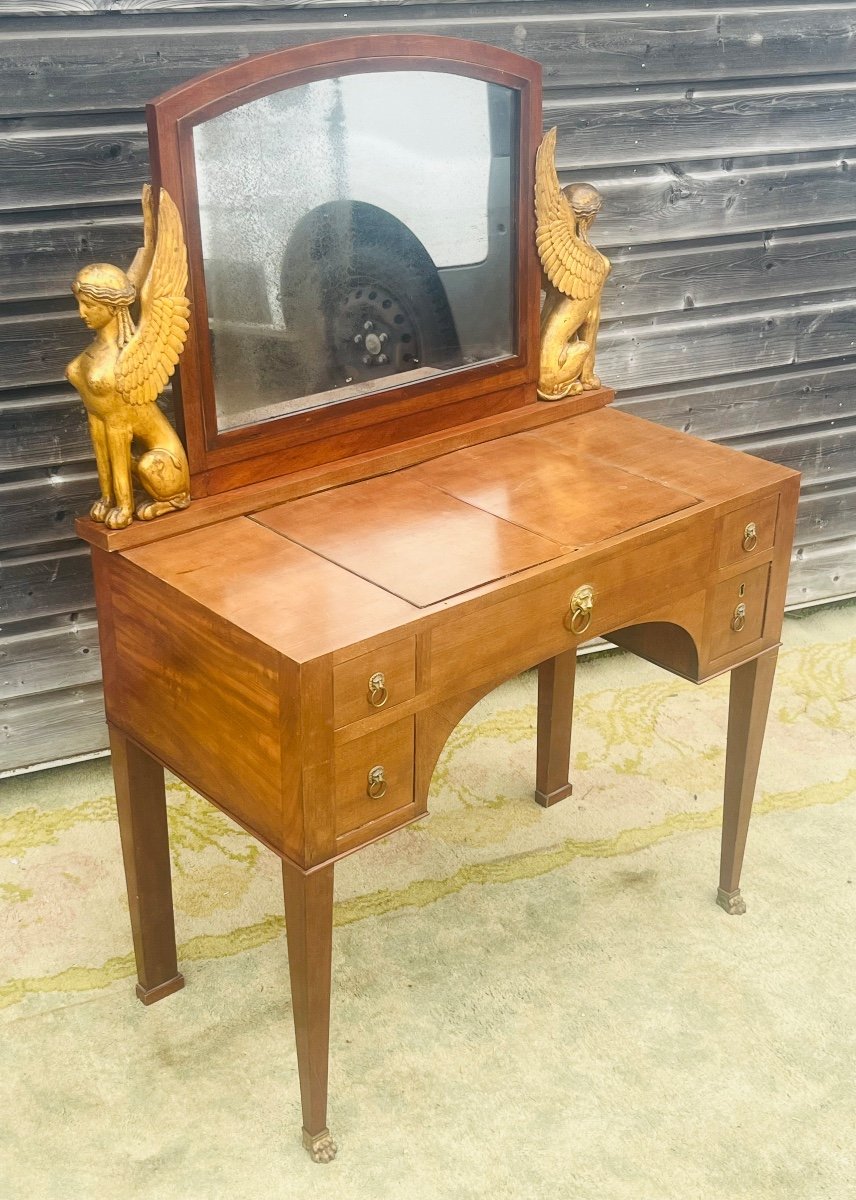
(119, 518)
(100, 509)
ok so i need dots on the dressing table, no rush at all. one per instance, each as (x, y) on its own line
(386, 521)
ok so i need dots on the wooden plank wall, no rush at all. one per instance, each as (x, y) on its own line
(722, 136)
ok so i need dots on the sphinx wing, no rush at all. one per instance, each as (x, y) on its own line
(146, 363)
(572, 265)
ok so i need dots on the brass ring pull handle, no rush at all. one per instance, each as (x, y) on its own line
(750, 537)
(378, 694)
(739, 618)
(578, 616)
(377, 783)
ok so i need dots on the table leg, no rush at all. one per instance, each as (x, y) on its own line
(749, 700)
(309, 931)
(555, 715)
(141, 804)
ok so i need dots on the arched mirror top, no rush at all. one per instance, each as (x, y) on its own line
(359, 230)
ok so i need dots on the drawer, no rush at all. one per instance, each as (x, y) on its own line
(510, 635)
(737, 611)
(747, 531)
(374, 681)
(374, 776)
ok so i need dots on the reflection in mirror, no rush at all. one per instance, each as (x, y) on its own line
(357, 233)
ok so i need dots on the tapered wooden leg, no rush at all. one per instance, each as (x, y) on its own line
(309, 930)
(555, 715)
(749, 701)
(141, 803)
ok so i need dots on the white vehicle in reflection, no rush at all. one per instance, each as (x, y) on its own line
(378, 243)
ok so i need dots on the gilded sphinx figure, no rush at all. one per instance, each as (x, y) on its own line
(126, 367)
(575, 272)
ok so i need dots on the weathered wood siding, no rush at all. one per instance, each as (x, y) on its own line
(721, 135)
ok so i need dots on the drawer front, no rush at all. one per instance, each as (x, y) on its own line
(532, 626)
(748, 531)
(374, 682)
(374, 776)
(737, 611)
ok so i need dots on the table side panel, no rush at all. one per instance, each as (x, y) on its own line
(201, 695)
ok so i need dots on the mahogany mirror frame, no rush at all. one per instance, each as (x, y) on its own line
(221, 460)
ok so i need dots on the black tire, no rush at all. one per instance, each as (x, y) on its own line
(383, 314)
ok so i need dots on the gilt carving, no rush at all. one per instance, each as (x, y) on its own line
(575, 272)
(126, 367)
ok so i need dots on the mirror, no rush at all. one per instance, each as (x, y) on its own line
(357, 234)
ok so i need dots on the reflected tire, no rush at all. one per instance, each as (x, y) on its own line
(386, 315)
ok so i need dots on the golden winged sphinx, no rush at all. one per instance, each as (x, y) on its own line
(126, 367)
(575, 272)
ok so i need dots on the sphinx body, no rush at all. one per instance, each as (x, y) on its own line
(123, 371)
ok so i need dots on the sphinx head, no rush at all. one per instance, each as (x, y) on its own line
(104, 292)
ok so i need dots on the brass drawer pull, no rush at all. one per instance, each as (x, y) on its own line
(378, 694)
(750, 537)
(739, 618)
(377, 783)
(578, 616)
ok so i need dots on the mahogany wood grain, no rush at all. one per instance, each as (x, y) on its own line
(572, 499)
(410, 539)
(674, 459)
(309, 932)
(275, 591)
(488, 642)
(353, 697)
(749, 700)
(202, 695)
(555, 717)
(733, 547)
(371, 429)
(749, 589)
(141, 805)
(390, 748)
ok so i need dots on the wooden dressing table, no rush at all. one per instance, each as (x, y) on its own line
(349, 580)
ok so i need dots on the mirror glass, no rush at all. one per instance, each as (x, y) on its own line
(357, 234)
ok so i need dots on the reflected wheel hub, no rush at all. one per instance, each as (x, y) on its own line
(374, 334)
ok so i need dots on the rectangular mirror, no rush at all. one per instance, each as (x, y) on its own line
(357, 233)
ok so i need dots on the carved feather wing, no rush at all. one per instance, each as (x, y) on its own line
(149, 358)
(572, 265)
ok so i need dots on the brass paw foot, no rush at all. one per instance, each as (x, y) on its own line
(732, 902)
(321, 1146)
